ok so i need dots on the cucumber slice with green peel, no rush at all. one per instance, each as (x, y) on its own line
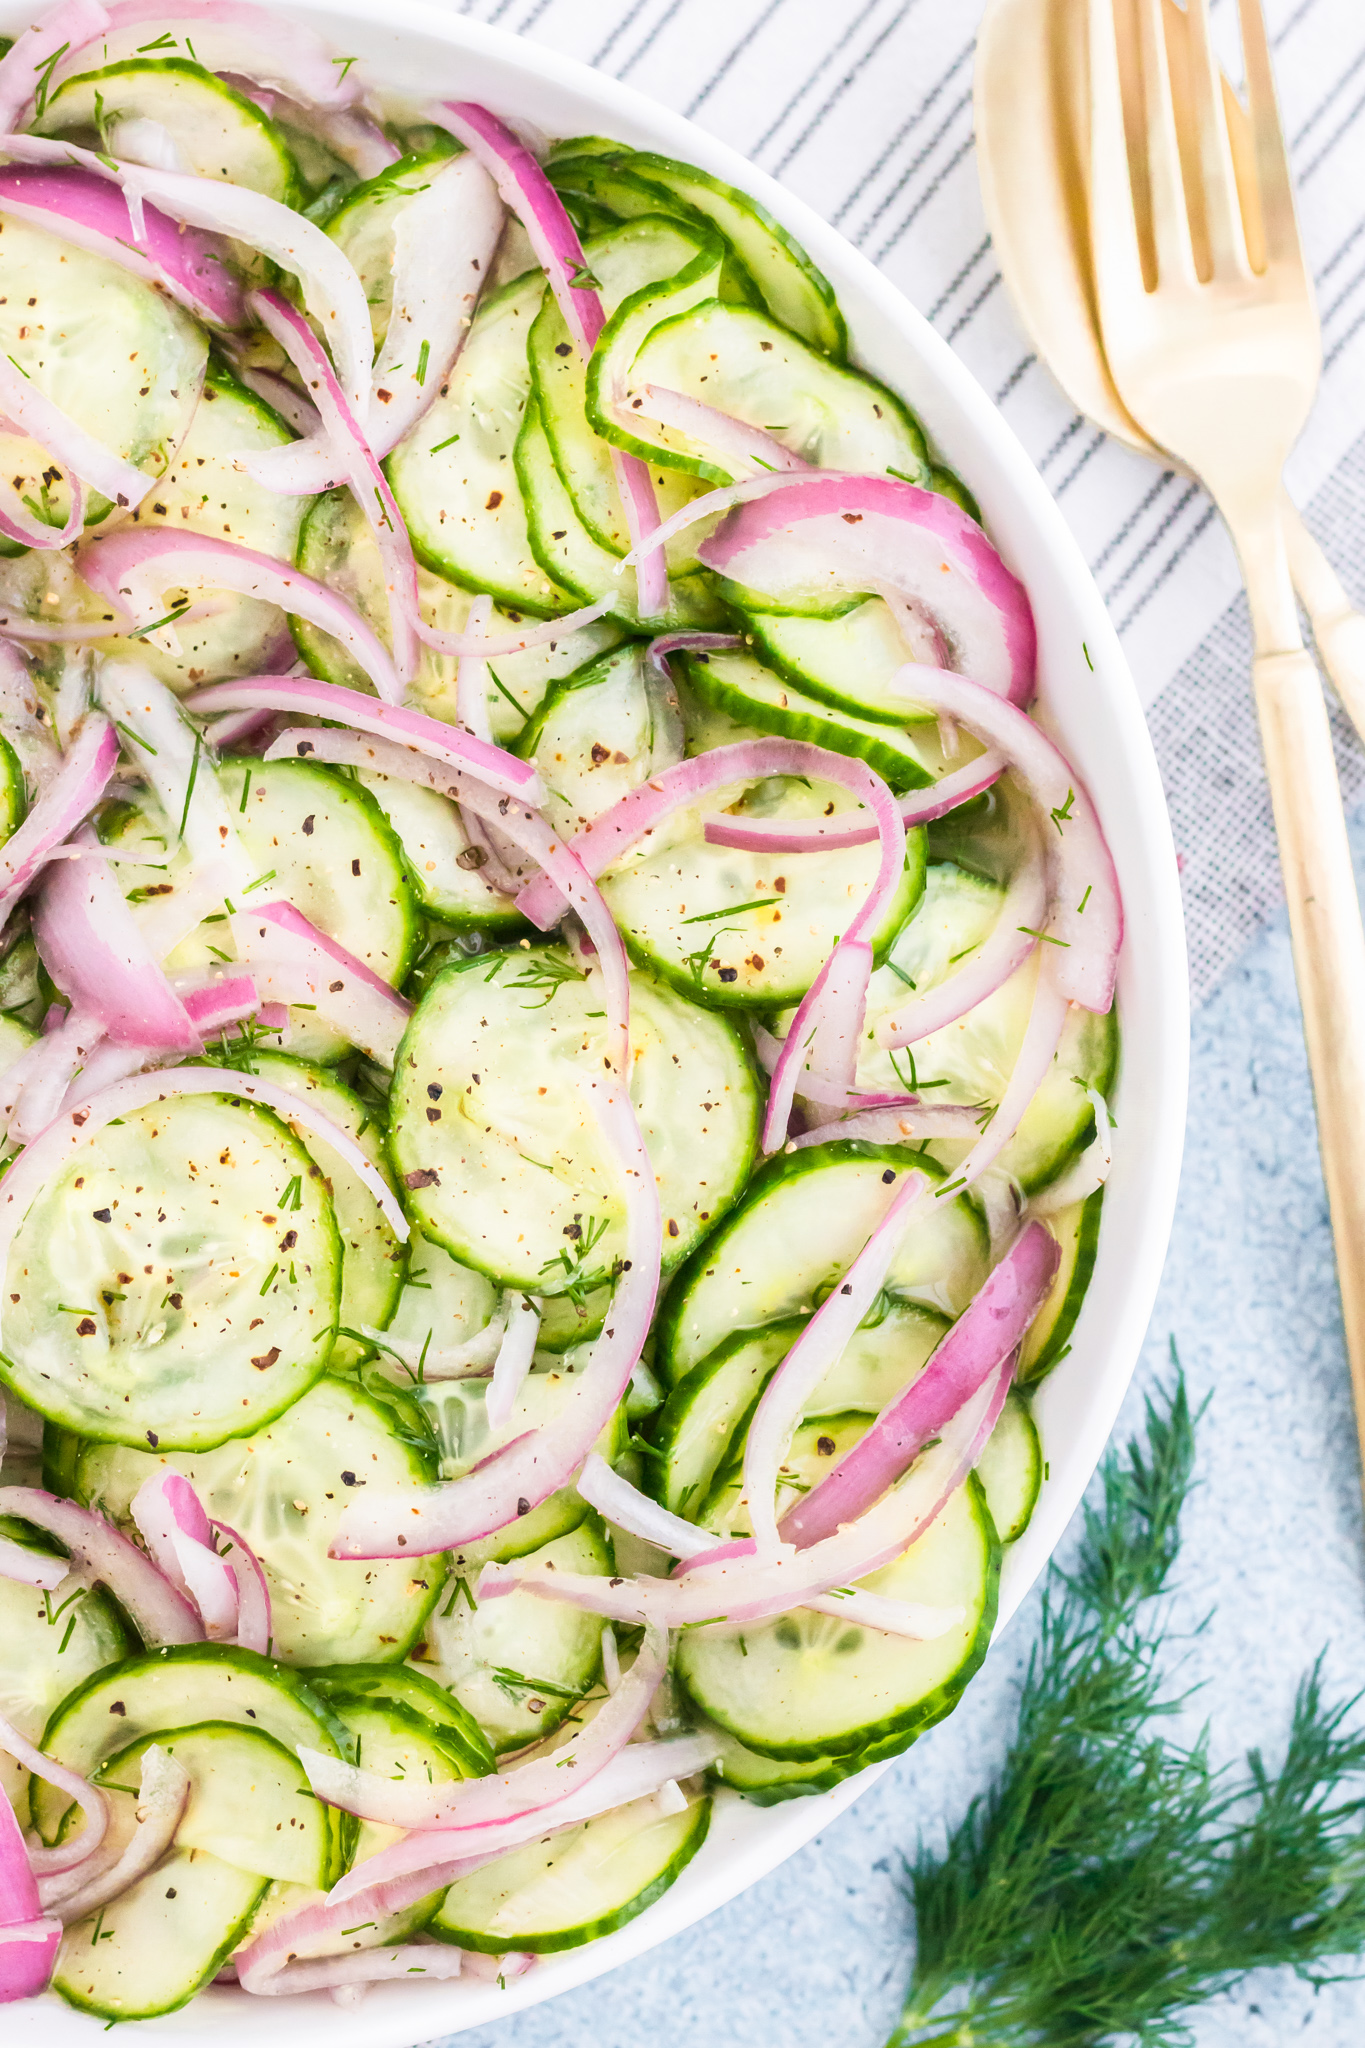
(444, 1302)
(647, 261)
(754, 695)
(176, 1319)
(395, 1743)
(337, 547)
(53, 1641)
(739, 362)
(599, 734)
(971, 1059)
(180, 1687)
(373, 1258)
(738, 930)
(454, 476)
(518, 1183)
(120, 358)
(807, 1684)
(284, 1490)
(795, 292)
(804, 1219)
(458, 1413)
(771, 1781)
(567, 552)
(520, 1663)
(218, 133)
(442, 861)
(576, 1886)
(1010, 1468)
(696, 1430)
(205, 490)
(160, 1941)
(399, 1687)
(848, 662)
(815, 1449)
(1049, 1339)
(249, 1803)
(13, 800)
(364, 224)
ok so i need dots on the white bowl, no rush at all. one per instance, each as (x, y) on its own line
(1090, 701)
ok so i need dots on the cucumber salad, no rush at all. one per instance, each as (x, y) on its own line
(556, 1019)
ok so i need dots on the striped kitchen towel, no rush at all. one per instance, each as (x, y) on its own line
(864, 108)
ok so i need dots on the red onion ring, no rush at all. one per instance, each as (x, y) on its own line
(26, 404)
(758, 452)
(909, 1125)
(1047, 1021)
(159, 1613)
(513, 1361)
(253, 1592)
(164, 1795)
(230, 36)
(172, 1523)
(219, 1003)
(68, 26)
(92, 1802)
(544, 633)
(18, 1885)
(919, 807)
(93, 948)
(74, 791)
(291, 958)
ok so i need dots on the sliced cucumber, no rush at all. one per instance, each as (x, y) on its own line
(600, 733)
(13, 800)
(398, 1686)
(217, 132)
(454, 476)
(1048, 1340)
(284, 1490)
(630, 264)
(1010, 1469)
(52, 1642)
(373, 1258)
(337, 547)
(971, 1059)
(161, 1940)
(749, 930)
(815, 1449)
(443, 1302)
(575, 1886)
(205, 490)
(519, 1663)
(179, 1688)
(365, 223)
(803, 1221)
(795, 292)
(517, 1182)
(396, 1744)
(249, 1802)
(458, 1413)
(770, 1781)
(695, 1431)
(180, 1318)
(743, 364)
(754, 695)
(849, 661)
(441, 859)
(807, 1685)
(566, 551)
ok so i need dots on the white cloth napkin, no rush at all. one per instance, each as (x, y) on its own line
(865, 110)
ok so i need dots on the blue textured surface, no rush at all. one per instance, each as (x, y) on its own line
(818, 1953)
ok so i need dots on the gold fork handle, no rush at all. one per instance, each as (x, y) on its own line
(1329, 957)
(1338, 628)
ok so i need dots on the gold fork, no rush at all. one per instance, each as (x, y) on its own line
(1212, 341)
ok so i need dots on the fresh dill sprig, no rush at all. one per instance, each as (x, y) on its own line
(545, 973)
(1111, 1880)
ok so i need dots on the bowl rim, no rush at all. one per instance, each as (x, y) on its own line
(746, 1842)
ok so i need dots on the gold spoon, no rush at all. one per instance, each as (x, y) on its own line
(1032, 92)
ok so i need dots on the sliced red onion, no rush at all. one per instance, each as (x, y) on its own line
(91, 1801)
(831, 533)
(544, 634)
(988, 967)
(444, 244)
(903, 1126)
(92, 947)
(527, 192)
(1085, 1174)
(27, 406)
(733, 1584)
(513, 1361)
(28, 1956)
(1047, 1021)
(168, 752)
(433, 1959)
(295, 962)
(465, 1808)
(501, 771)
(920, 807)
(352, 136)
(164, 1795)
(537, 1464)
(18, 1886)
(229, 35)
(990, 1328)
(26, 728)
(158, 1611)
(1086, 915)
(30, 1567)
(36, 632)
(471, 677)
(32, 1090)
(787, 1395)
(357, 465)
(469, 1360)
(75, 197)
(752, 451)
(71, 796)
(229, 1000)
(709, 506)
(69, 26)
(912, 1619)
(253, 1591)
(172, 1522)
(134, 567)
(426, 1861)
